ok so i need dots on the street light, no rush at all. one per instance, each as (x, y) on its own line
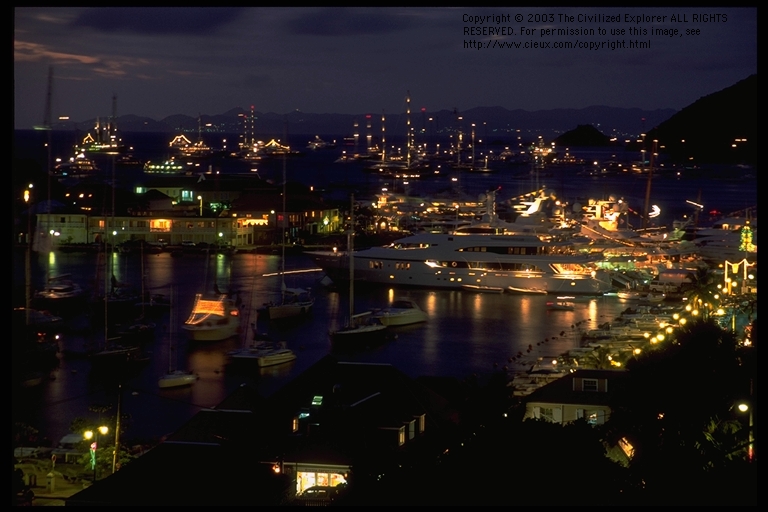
(200, 198)
(744, 407)
(90, 434)
(28, 259)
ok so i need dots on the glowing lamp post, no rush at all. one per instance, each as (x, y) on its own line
(90, 434)
(744, 407)
(200, 198)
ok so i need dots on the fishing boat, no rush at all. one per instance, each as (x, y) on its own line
(402, 311)
(213, 319)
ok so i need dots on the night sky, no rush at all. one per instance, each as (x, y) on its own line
(165, 61)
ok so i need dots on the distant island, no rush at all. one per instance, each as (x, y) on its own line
(718, 128)
(489, 122)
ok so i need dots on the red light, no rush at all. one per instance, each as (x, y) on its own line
(423, 109)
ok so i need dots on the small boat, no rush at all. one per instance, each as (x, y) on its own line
(60, 288)
(628, 295)
(213, 319)
(560, 305)
(264, 353)
(533, 291)
(115, 357)
(362, 331)
(401, 312)
(482, 288)
(295, 302)
(175, 378)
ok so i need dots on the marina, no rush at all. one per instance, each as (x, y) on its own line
(477, 327)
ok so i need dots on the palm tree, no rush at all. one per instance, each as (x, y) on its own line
(702, 291)
(600, 358)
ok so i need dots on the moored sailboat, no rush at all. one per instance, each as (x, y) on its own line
(213, 319)
(362, 330)
(175, 377)
(293, 301)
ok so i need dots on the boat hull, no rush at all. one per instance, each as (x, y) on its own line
(423, 275)
(213, 319)
(358, 338)
(176, 380)
(215, 333)
(400, 312)
(263, 355)
(396, 319)
(280, 311)
(275, 359)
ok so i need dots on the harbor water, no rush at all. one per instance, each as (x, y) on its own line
(467, 335)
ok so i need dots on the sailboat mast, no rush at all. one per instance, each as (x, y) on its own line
(368, 135)
(408, 141)
(171, 355)
(648, 186)
(49, 128)
(383, 138)
(350, 249)
(282, 227)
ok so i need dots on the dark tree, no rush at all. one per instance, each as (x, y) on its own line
(677, 411)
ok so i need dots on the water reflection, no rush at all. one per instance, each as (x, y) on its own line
(466, 333)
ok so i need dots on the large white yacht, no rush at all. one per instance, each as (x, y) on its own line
(502, 262)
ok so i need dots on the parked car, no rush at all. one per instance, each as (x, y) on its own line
(187, 243)
(319, 492)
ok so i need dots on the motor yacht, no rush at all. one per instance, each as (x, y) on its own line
(433, 260)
